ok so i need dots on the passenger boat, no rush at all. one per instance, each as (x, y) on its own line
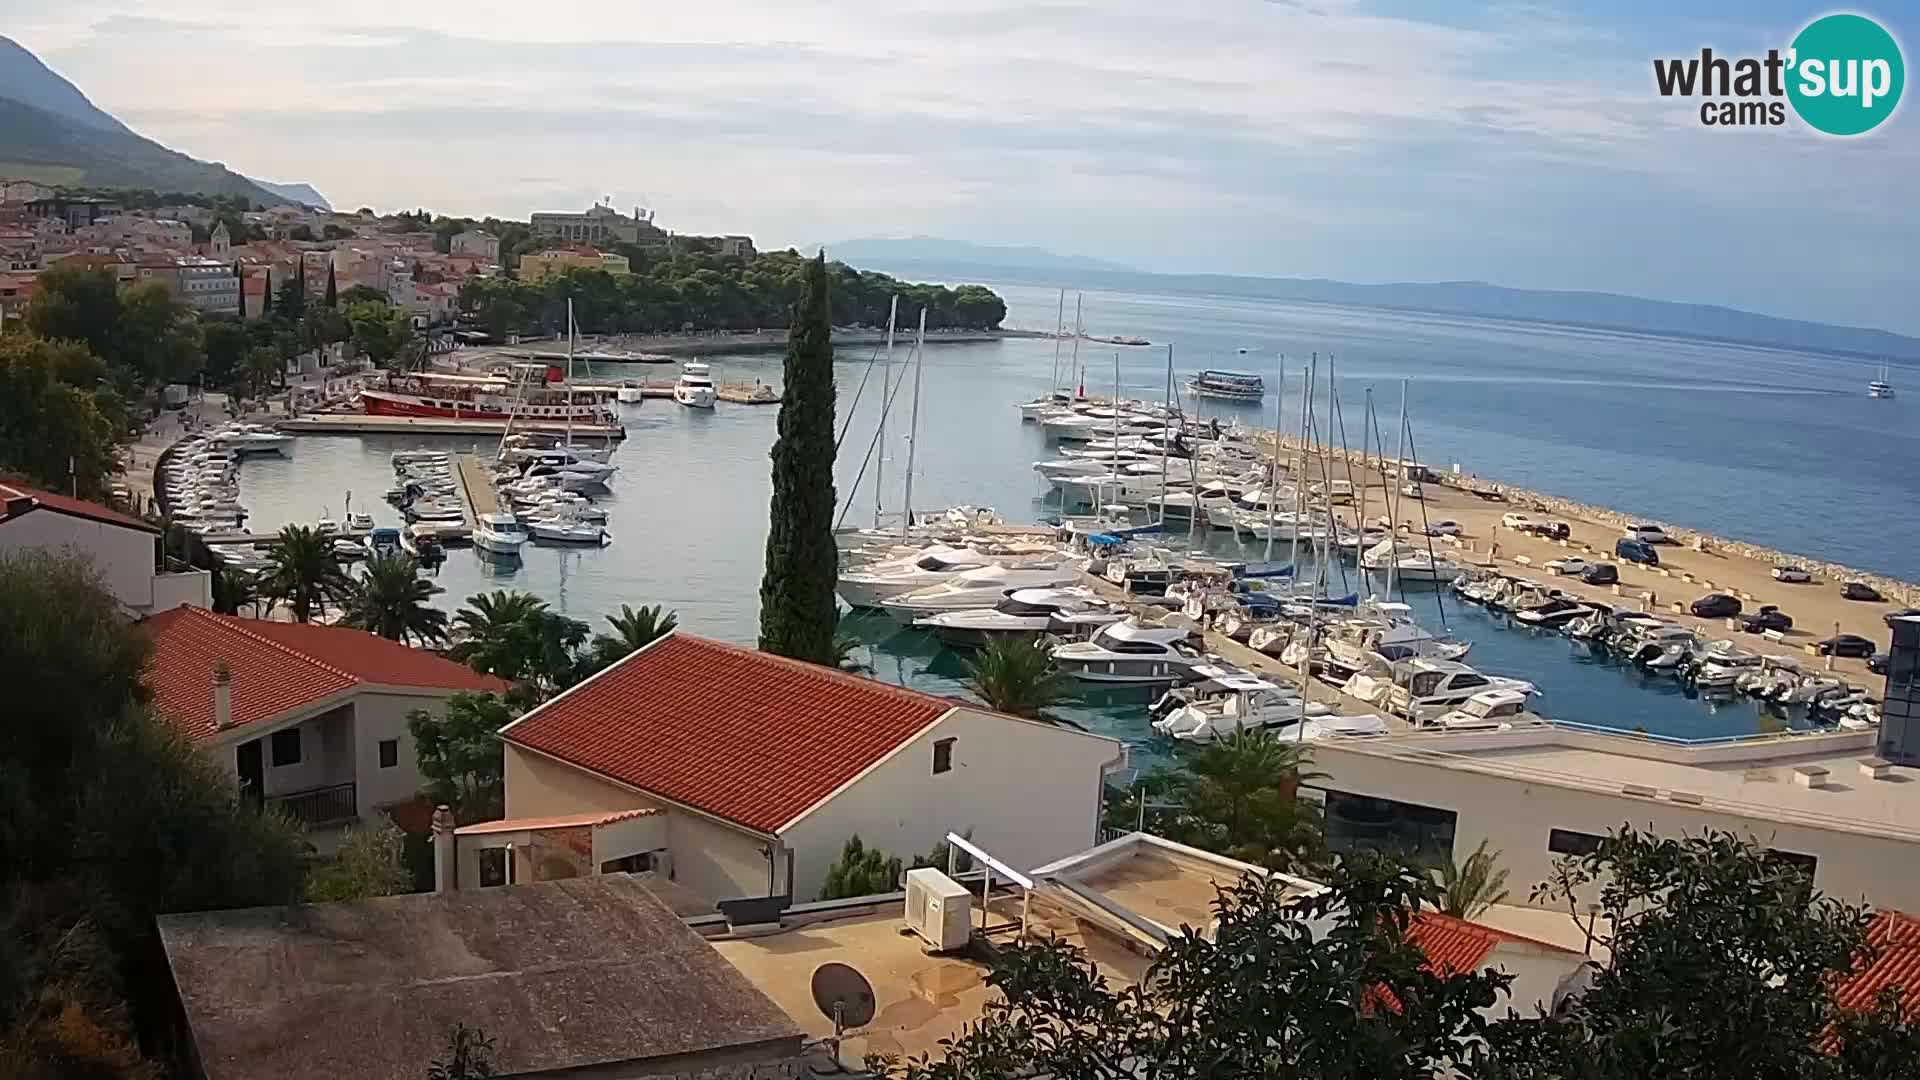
(528, 393)
(695, 386)
(1227, 386)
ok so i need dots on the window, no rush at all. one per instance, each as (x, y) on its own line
(1793, 860)
(389, 753)
(629, 864)
(1361, 823)
(286, 747)
(942, 756)
(1570, 842)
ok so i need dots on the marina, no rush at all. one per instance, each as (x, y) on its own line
(689, 501)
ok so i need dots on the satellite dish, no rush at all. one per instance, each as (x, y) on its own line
(844, 995)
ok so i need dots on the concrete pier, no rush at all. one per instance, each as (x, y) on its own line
(360, 424)
(476, 488)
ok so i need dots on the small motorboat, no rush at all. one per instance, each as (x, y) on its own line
(359, 522)
(499, 534)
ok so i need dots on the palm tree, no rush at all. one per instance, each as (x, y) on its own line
(392, 602)
(232, 590)
(1240, 796)
(632, 631)
(304, 573)
(485, 628)
(1017, 677)
(1472, 885)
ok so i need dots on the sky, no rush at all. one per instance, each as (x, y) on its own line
(1405, 140)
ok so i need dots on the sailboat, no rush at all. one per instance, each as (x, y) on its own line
(1880, 387)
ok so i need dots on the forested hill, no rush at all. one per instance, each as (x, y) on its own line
(705, 291)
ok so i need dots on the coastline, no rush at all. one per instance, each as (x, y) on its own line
(704, 344)
(1689, 537)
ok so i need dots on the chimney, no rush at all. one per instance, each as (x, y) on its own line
(444, 850)
(222, 696)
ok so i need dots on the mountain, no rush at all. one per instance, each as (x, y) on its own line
(51, 133)
(25, 79)
(960, 253)
(1610, 311)
(300, 193)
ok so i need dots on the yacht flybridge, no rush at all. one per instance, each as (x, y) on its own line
(1130, 651)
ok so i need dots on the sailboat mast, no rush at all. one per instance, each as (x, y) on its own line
(570, 333)
(1078, 298)
(1306, 398)
(1393, 497)
(913, 423)
(880, 463)
(1166, 444)
(1273, 472)
(1360, 494)
(1059, 327)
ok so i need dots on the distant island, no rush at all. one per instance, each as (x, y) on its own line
(1599, 310)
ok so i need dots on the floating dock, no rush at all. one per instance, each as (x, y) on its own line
(361, 424)
(476, 490)
(739, 393)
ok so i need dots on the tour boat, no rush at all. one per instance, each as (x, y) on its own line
(1227, 386)
(695, 388)
(527, 395)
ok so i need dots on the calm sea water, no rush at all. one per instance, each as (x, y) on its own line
(1774, 447)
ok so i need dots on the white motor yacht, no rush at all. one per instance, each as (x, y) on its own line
(1422, 687)
(1028, 613)
(359, 522)
(1410, 564)
(1720, 668)
(981, 587)
(255, 439)
(499, 534)
(1488, 710)
(1130, 651)
(1244, 702)
(695, 386)
(875, 582)
(1090, 464)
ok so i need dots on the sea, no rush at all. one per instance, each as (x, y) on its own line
(1776, 447)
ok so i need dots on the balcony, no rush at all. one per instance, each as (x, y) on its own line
(321, 806)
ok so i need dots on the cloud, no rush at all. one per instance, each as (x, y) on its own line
(1516, 142)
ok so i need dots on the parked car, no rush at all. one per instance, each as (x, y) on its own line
(1601, 574)
(1877, 663)
(1444, 528)
(1768, 617)
(1552, 530)
(1716, 606)
(1412, 491)
(1649, 533)
(1847, 645)
(1859, 590)
(1572, 564)
(1636, 551)
(1792, 575)
(1515, 521)
(1899, 613)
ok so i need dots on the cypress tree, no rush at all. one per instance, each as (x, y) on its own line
(333, 290)
(798, 613)
(240, 277)
(266, 294)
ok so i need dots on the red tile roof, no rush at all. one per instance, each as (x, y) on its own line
(1895, 938)
(64, 504)
(278, 667)
(1453, 946)
(743, 735)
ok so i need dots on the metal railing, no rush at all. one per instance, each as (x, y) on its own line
(321, 805)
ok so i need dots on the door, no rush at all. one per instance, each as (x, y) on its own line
(252, 773)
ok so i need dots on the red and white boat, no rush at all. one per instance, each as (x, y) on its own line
(530, 395)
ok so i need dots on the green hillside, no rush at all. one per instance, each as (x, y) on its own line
(35, 142)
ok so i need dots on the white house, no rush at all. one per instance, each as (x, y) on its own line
(311, 718)
(735, 773)
(124, 550)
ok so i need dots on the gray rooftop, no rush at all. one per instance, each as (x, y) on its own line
(561, 975)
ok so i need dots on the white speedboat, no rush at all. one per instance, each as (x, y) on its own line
(868, 586)
(254, 439)
(1074, 612)
(695, 386)
(1423, 687)
(565, 528)
(1130, 651)
(981, 587)
(1409, 564)
(1488, 710)
(359, 522)
(344, 548)
(499, 534)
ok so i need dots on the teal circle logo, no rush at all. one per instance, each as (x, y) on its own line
(1845, 74)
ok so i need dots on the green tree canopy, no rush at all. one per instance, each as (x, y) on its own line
(861, 871)
(515, 636)
(363, 294)
(370, 861)
(460, 755)
(142, 334)
(1239, 796)
(304, 574)
(57, 435)
(380, 331)
(798, 611)
(392, 601)
(1017, 677)
(108, 817)
(633, 630)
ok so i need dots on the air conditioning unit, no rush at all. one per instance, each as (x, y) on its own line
(939, 909)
